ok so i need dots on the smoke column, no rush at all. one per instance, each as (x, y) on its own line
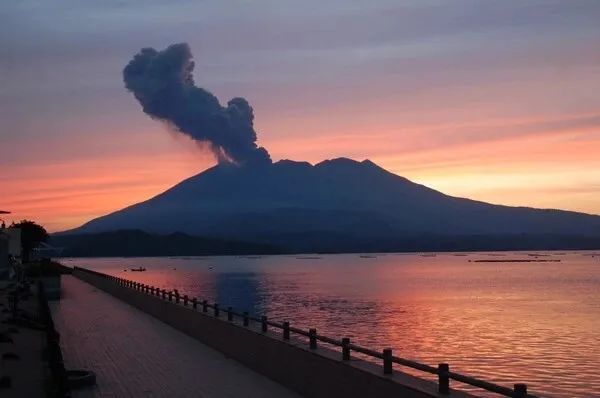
(163, 83)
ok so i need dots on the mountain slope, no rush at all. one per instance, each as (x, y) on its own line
(335, 204)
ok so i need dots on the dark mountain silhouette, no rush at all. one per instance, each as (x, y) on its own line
(124, 243)
(343, 205)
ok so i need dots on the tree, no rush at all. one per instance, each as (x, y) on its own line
(32, 235)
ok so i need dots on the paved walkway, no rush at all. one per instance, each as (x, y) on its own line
(134, 354)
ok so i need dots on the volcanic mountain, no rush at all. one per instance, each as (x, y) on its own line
(343, 205)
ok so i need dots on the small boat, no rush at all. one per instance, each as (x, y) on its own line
(140, 269)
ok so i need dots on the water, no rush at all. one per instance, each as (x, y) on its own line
(534, 322)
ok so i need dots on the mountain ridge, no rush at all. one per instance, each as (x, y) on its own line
(340, 197)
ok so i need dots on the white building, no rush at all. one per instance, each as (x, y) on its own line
(10, 245)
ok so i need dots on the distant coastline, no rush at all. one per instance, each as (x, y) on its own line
(138, 243)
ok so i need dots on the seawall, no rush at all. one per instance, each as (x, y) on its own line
(319, 372)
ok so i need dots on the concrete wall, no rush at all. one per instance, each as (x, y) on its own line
(313, 373)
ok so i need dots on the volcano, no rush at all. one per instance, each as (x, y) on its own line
(343, 205)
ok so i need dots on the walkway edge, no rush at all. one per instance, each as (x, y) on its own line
(312, 373)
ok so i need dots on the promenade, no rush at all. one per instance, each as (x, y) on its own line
(134, 354)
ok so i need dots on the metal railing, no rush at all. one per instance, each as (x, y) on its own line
(444, 375)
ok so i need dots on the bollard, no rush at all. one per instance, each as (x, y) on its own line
(263, 320)
(387, 361)
(346, 349)
(216, 307)
(170, 296)
(176, 296)
(195, 303)
(152, 290)
(164, 294)
(185, 300)
(443, 378)
(204, 306)
(312, 337)
(230, 314)
(246, 320)
(520, 390)
(286, 330)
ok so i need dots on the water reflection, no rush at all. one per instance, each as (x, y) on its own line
(537, 323)
(240, 291)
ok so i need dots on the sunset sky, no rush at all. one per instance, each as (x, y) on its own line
(492, 100)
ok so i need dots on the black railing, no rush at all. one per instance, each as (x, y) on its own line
(442, 371)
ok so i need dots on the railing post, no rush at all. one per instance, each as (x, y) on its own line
(444, 378)
(346, 349)
(387, 361)
(204, 306)
(312, 337)
(246, 321)
(263, 321)
(286, 330)
(520, 390)
(230, 314)
(195, 303)
(216, 307)
(185, 300)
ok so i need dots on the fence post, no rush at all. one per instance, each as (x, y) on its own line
(286, 330)
(246, 318)
(520, 390)
(230, 314)
(387, 361)
(263, 321)
(216, 307)
(185, 300)
(444, 378)
(312, 337)
(204, 306)
(346, 349)
(195, 303)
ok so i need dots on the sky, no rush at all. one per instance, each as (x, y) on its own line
(492, 100)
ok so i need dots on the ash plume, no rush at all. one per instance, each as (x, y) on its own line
(163, 83)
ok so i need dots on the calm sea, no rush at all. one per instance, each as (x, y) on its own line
(507, 322)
